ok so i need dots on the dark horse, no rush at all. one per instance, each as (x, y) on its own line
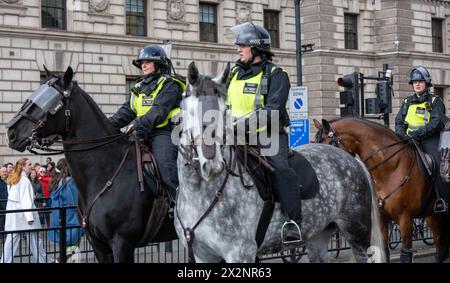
(115, 213)
(403, 192)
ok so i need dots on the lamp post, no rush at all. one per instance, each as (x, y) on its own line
(298, 42)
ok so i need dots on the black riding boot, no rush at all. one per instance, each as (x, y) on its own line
(406, 256)
(292, 227)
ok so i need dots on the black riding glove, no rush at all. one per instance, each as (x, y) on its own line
(416, 136)
(402, 135)
(139, 130)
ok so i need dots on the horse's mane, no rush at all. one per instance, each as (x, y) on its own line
(90, 101)
(373, 125)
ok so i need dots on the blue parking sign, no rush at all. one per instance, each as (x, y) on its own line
(298, 133)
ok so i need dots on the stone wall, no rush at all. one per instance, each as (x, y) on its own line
(96, 46)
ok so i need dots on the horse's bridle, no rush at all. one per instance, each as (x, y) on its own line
(57, 94)
(335, 140)
(60, 99)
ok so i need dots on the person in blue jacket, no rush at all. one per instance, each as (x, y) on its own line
(63, 192)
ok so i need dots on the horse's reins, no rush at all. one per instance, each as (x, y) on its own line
(189, 232)
(108, 184)
(50, 151)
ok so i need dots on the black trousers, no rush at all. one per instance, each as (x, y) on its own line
(430, 146)
(284, 179)
(165, 153)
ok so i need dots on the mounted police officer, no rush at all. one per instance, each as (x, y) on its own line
(256, 84)
(421, 118)
(154, 100)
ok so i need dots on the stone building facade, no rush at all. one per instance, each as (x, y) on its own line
(95, 42)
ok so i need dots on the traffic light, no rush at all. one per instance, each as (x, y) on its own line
(384, 91)
(350, 96)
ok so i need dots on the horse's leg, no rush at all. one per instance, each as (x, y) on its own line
(102, 252)
(384, 227)
(433, 224)
(357, 233)
(317, 246)
(123, 251)
(406, 231)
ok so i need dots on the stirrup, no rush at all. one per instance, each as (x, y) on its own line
(286, 242)
(444, 207)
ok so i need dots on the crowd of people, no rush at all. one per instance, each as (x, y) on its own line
(29, 186)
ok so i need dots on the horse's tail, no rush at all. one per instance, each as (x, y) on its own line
(376, 250)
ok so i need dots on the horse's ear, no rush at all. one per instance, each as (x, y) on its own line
(223, 77)
(47, 72)
(192, 73)
(68, 75)
(317, 124)
(326, 126)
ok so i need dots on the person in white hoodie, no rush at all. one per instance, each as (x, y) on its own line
(20, 196)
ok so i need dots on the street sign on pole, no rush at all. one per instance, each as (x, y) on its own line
(298, 113)
(299, 133)
(298, 103)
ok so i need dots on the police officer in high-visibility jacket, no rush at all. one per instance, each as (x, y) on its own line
(256, 85)
(153, 101)
(422, 117)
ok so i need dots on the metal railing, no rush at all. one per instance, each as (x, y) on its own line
(167, 252)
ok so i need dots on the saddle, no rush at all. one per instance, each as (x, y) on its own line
(426, 164)
(260, 171)
(150, 179)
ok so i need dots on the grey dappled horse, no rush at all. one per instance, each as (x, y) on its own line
(226, 229)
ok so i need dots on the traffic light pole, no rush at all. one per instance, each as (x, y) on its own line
(384, 116)
(361, 83)
(298, 34)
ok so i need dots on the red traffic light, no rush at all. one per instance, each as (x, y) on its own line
(348, 81)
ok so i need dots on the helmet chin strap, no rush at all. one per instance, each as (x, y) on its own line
(254, 54)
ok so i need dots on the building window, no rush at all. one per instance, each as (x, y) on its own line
(53, 14)
(439, 91)
(208, 22)
(136, 19)
(436, 29)
(130, 81)
(271, 23)
(351, 31)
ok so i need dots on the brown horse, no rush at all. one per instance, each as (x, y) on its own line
(403, 192)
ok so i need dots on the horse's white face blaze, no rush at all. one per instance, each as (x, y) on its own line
(193, 129)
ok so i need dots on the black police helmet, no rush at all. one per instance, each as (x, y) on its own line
(419, 74)
(252, 35)
(155, 54)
